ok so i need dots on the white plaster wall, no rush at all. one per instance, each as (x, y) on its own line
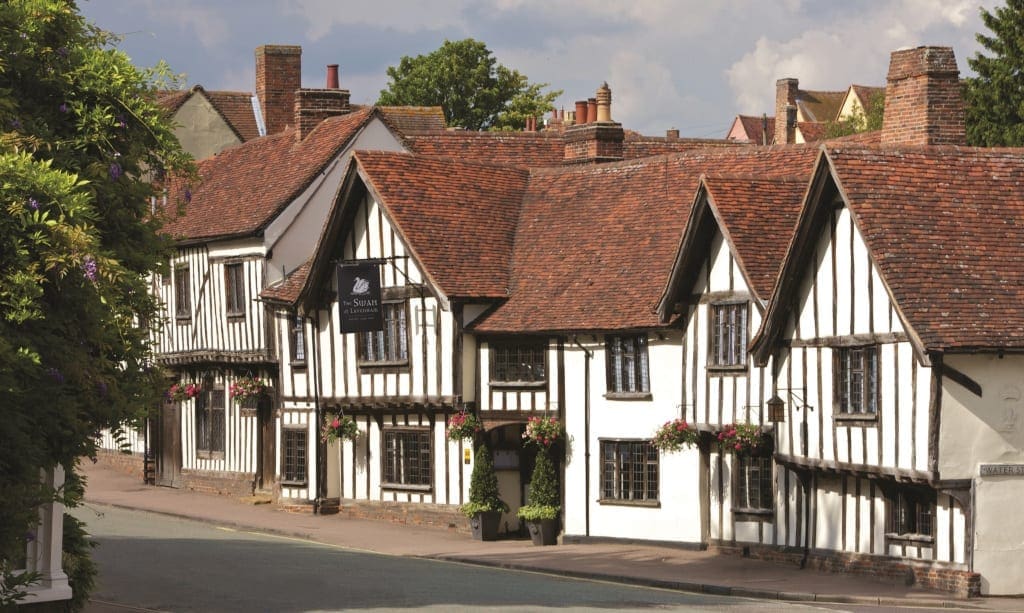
(200, 128)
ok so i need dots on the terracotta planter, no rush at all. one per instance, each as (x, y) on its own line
(485, 525)
(543, 532)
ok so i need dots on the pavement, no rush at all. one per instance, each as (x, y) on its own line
(628, 563)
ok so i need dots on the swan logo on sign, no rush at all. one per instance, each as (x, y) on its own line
(360, 287)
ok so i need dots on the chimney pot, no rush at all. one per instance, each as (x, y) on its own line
(591, 110)
(604, 102)
(332, 76)
(581, 112)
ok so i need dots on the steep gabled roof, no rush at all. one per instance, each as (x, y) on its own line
(595, 245)
(234, 107)
(759, 129)
(944, 226)
(242, 188)
(866, 94)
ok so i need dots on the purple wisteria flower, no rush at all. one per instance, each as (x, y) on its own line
(33, 204)
(89, 269)
(64, 108)
(122, 122)
(55, 375)
(188, 195)
(115, 171)
(63, 52)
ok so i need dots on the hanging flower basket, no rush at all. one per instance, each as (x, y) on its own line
(463, 426)
(544, 431)
(245, 389)
(745, 439)
(339, 427)
(180, 392)
(675, 435)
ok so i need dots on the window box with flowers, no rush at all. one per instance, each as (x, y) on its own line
(463, 426)
(247, 391)
(745, 439)
(339, 427)
(180, 392)
(675, 435)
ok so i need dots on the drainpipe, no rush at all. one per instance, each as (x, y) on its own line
(319, 451)
(586, 433)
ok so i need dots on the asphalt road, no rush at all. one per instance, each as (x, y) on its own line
(155, 562)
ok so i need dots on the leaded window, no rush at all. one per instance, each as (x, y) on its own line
(234, 289)
(856, 379)
(407, 457)
(210, 409)
(754, 483)
(629, 471)
(518, 362)
(294, 451)
(911, 512)
(728, 345)
(390, 345)
(182, 294)
(628, 369)
(297, 339)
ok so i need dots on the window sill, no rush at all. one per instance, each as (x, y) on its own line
(759, 515)
(733, 370)
(235, 317)
(518, 384)
(298, 365)
(210, 455)
(294, 483)
(615, 502)
(183, 321)
(399, 364)
(909, 539)
(865, 419)
(629, 396)
(400, 487)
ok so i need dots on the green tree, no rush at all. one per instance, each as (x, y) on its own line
(994, 99)
(483, 486)
(475, 91)
(80, 136)
(543, 489)
(859, 120)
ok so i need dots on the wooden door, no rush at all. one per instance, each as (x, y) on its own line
(267, 448)
(168, 445)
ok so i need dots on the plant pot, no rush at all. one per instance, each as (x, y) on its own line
(485, 525)
(543, 531)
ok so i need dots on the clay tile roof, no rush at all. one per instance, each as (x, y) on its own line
(408, 120)
(946, 228)
(286, 291)
(520, 148)
(759, 215)
(595, 244)
(244, 187)
(755, 129)
(812, 130)
(172, 99)
(820, 106)
(458, 217)
(236, 108)
(638, 146)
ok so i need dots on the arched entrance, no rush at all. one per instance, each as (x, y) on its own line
(513, 465)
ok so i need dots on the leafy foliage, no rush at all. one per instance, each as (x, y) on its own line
(475, 91)
(79, 135)
(543, 490)
(994, 99)
(675, 435)
(463, 426)
(483, 486)
(859, 120)
(745, 439)
(544, 431)
(339, 427)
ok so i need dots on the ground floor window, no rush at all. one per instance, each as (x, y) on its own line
(753, 484)
(911, 512)
(407, 458)
(210, 435)
(294, 454)
(629, 471)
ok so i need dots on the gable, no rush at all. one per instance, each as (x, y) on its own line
(201, 129)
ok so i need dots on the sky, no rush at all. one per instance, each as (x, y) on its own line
(692, 65)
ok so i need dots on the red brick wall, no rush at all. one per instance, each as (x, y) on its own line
(278, 76)
(431, 515)
(314, 105)
(223, 483)
(923, 105)
(593, 143)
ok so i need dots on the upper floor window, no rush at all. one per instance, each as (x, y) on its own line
(522, 362)
(753, 484)
(628, 370)
(407, 458)
(856, 379)
(629, 471)
(911, 512)
(390, 345)
(182, 293)
(297, 339)
(234, 289)
(728, 345)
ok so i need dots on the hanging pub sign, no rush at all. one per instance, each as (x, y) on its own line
(359, 297)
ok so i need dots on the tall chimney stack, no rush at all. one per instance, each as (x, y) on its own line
(596, 139)
(786, 91)
(278, 76)
(312, 106)
(923, 104)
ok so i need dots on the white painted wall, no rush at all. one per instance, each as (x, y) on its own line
(201, 129)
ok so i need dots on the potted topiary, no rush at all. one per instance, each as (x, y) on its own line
(485, 507)
(541, 515)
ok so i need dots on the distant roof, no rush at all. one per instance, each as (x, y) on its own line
(521, 148)
(867, 93)
(812, 131)
(234, 107)
(755, 129)
(819, 105)
(413, 119)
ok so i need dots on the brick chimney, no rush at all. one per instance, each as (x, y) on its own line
(786, 91)
(312, 106)
(278, 76)
(600, 139)
(923, 105)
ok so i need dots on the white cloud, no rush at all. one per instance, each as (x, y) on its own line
(205, 22)
(401, 15)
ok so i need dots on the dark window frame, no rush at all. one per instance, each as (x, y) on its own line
(295, 456)
(910, 513)
(753, 494)
(234, 290)
(856, 381)
(626, 480)
(510, 359)
(728, 335)
(211, 423)
(182, 294)
(627, 366)
(297, 339)
(405, 464)
(401, 343)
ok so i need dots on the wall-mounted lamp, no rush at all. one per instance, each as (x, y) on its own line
(777, 406)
